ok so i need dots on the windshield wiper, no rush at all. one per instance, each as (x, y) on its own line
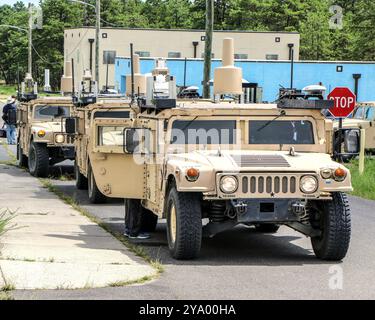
(282, 114)
(189, 123)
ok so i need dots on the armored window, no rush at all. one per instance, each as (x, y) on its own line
(359, 113)
(144, 54)
(370, 114)
(110, 136)
(281, 132)
(241, 56)
(272, 57)
(51, 112)
(203, 132)
(175, 55)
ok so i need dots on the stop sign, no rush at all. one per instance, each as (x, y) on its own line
(345, 101)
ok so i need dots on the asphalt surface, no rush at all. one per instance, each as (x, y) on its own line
(239, 263)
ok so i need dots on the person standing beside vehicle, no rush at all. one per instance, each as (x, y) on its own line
(9, 112)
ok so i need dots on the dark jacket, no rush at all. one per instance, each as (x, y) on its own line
(8, 107)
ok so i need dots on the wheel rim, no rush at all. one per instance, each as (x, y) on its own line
(173, 223)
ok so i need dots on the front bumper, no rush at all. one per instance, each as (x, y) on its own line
(268, 210)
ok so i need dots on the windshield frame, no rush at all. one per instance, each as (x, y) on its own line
(242, 134)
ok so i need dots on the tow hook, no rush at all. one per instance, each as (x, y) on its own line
(240, 206)
(298, 208)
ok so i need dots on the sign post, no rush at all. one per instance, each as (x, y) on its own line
(345, 102)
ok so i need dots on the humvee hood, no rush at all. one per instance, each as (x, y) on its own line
(246, 160)
(353, 123)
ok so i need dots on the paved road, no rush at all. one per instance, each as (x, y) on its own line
(241, 264)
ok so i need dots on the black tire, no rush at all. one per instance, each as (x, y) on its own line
(22, 160)
(335, 225)
(267, 228)
(148, 221)
(185, 242)
(81, 180)
(38, 160)
(95, 196)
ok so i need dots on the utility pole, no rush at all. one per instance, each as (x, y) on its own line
(30, 60)
(97, 36)
(208, 48)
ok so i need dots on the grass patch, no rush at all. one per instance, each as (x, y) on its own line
(7, 288)
(11, 155)
(65, 177)
(5, 296)
(363, 184)
(8, 90)
(5, 218)
(131, 282)
(137, 250)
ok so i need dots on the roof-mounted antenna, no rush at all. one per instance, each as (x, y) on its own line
(73, 81)
(132, 72)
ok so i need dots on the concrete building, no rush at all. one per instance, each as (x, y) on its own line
(79, 44)
(271, 75)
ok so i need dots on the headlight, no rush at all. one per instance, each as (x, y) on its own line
(308, 184)
(59, 138)
(228, 184)
(326, 173)
(41, 133)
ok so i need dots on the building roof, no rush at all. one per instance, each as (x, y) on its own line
(184, 30)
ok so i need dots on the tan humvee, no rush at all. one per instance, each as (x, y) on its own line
(89, 119)
(363, 118)
(42, 140)
(281, 176)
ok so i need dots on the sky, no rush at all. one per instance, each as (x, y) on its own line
(11, 2)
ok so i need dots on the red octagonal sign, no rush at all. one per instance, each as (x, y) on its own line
(345, 102)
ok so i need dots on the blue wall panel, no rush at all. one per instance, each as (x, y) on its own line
(269, 75)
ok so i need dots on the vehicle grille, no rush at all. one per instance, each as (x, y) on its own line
(261, 161)
(70, 139)
(269, 185)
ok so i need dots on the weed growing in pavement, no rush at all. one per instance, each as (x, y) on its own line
(6, 217)
(131, 282)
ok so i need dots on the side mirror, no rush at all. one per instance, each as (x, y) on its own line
(131, 140)
(71, 125)
(352, 140)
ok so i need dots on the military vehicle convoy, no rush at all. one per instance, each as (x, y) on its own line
(207, 166)
(42, 140)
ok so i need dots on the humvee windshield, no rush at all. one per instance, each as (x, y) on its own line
(364, 113)
(210, 132)
(51, 112)
(281, 132)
